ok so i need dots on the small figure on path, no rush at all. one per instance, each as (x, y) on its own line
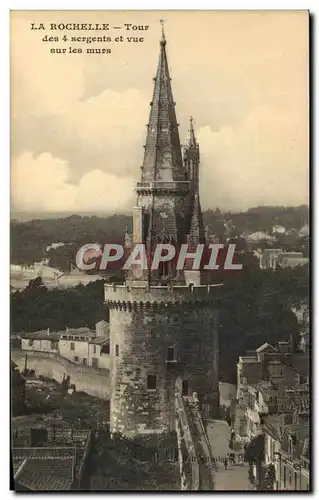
(226, 463)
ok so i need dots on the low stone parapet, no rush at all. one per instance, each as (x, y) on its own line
(150, 296)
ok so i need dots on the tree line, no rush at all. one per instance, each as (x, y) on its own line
(254, 308)
(29, 239)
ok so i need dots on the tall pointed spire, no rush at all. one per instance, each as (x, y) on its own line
(163, 40)
(191, 157)
(162, 156)
(167, 209)
(192, 138)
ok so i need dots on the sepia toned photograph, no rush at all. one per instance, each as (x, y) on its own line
(159, 251)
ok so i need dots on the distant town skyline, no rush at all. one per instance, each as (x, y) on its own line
(78, 122)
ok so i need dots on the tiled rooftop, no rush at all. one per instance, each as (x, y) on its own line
(45, 475)
(41, 335)
(48, 335)
(100, 341)
(78, 331)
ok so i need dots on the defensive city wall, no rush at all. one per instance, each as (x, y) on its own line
(195, 461)
(95, 382)
(193, 449)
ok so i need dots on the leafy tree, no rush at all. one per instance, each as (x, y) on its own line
(120, 463)
(29, 239)
(36, 284)
(254, 308)
(268, 474)
(254, 454)
(255, 450)
(37, 308)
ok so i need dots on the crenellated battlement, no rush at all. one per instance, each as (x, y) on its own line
(134, 296)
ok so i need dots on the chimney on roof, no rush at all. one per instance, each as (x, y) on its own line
(66, 330)
(48, 331)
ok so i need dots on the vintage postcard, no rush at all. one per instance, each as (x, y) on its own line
(159, 275)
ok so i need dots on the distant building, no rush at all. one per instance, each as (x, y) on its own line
(259, 236)
(74, 345)
(83, 347)
(272, 425)
(42, 341)
(258, 254)
(52, 278)
(99, 353)
(79, 345)
(272, 258)
(280, 366)
(273, 405)
(292, 232)
(76, 277)
(304, 231)
(26, 273)
(249, 367)
(268, 259)
(53, 246)
(281, 374)
(302, 313)
(102, 329)
(304, 343)
(46, 272)
(277, 229)
(267, 398)
(294, 458)
(291, 259)
(16, 268)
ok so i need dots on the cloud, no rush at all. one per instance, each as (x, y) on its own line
(244, 166)
(240, 166)
(42, 184)
(244, 76)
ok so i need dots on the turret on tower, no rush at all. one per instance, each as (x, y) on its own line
(196, 233)
(191, 157)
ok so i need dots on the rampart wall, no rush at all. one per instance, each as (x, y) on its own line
(188, 460)
(194, 453)
(95, 382)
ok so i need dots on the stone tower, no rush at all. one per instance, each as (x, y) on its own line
(163, 322)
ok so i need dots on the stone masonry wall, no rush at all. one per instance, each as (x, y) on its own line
(188, 460)
(143, 336)
(86, 379)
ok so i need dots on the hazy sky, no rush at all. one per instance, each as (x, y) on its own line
(78, 120)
